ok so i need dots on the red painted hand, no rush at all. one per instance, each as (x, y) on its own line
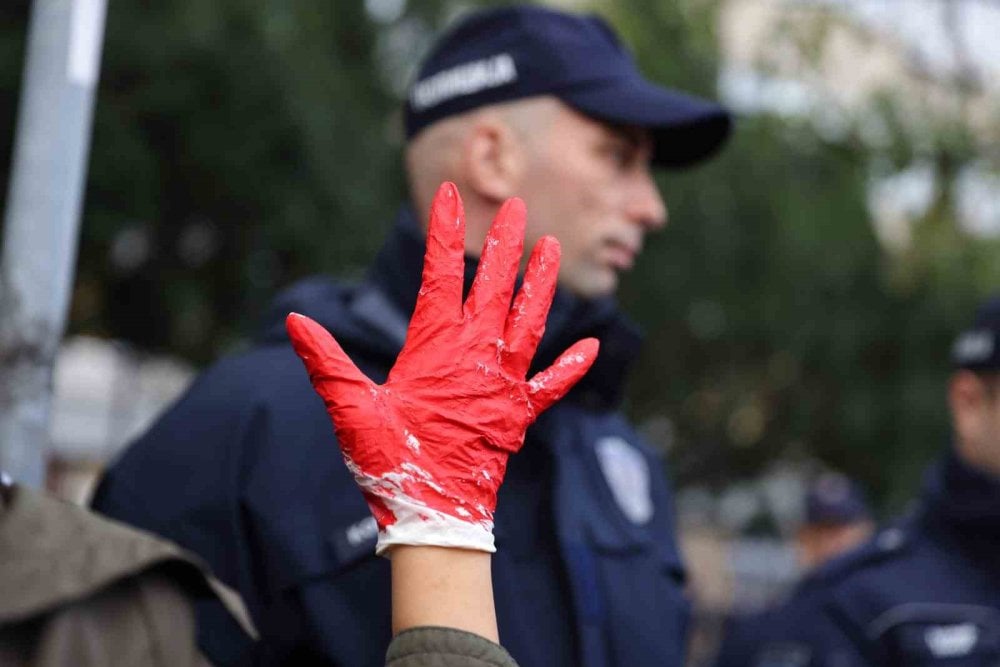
(429, 447)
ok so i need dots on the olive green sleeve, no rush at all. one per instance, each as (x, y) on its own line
(445, 647)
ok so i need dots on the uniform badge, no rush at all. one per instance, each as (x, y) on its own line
(627, 475)
(951, 641)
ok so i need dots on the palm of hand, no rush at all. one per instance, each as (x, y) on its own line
(437, 434)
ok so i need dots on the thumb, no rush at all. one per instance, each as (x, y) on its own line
(548, 386)
(330, 369)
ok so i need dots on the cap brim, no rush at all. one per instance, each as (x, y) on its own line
(685, 129)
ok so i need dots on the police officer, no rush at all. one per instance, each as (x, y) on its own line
(926, 591)
(522, 101)
(837, 519)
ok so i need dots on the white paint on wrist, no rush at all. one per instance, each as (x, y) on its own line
(418, 525)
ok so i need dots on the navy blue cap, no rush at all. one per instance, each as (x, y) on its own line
(833, 498)
(511, 53)
(978, 348)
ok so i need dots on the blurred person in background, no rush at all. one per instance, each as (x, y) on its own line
(837, 519)
(926, 589)
(523, 101)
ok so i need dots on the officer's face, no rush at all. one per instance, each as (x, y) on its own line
(589, 185)
(975, 407)
(993, 411)
(818, 543)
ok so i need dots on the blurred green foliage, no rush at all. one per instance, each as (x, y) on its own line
(241, 144)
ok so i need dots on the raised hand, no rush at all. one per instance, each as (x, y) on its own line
(429, 447)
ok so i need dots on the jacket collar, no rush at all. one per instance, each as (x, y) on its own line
(963, 498)
(396, 274)
(55, 552)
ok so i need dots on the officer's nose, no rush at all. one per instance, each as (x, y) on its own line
(645, 205)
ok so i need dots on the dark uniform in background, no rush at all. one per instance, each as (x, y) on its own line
(837, 520)
(785, 635)
(926, 590)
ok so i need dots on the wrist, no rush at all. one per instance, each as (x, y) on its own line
(434, 586)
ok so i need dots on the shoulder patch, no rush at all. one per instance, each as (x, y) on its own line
(627, 474)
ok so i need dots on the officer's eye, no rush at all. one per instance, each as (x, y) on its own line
(620, 152)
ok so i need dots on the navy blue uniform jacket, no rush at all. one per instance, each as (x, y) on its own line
(924, 592)
(244, 471)
(928, 591)
(787, 634)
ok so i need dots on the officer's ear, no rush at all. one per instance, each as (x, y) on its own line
(973, 401)
(968, 397)
(964, 393)
(493, 158)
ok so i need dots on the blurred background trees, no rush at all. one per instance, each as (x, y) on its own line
(799, 307)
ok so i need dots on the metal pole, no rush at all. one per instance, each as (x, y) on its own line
(42, 220)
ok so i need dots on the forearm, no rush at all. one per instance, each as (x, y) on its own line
(446, 587)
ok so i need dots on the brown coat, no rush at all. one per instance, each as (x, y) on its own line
(78, 589)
